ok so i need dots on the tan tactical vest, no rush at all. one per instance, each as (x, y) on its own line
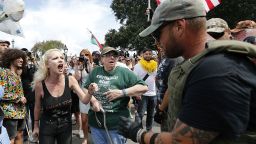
(179, 74)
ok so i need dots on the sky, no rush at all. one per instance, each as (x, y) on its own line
(65, 20)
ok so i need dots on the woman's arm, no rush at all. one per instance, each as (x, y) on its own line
(84, 96)
(37, 109)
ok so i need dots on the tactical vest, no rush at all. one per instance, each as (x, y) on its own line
(179, 74)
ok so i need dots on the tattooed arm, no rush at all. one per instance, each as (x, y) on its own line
(182, 134)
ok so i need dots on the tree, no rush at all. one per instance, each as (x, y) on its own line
(131, 14)
(234, 11)
(41, 47)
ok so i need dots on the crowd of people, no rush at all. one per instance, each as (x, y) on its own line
(199, 88)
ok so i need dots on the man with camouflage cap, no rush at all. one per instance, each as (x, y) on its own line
(213, 101)
(218, 29)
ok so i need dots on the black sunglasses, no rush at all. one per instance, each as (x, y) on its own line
(157, 33)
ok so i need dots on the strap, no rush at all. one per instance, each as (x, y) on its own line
(145, 77)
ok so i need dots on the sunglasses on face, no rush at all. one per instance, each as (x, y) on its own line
(157, 33)
(110, 55)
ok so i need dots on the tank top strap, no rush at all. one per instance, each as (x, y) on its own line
(46, 92)
(67, 90)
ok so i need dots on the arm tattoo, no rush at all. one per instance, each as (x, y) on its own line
(159, 140)
(184, 134)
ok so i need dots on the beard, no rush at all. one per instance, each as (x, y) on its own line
(173, 49)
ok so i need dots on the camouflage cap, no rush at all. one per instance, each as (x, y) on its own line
(216, 25)
(170, 10)
(246, 24)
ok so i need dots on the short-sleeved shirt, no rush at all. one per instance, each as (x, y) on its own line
(119, 78)
(13, 92)
(220, 95)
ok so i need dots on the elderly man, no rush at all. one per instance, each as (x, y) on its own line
(212, 98)
(113, 87)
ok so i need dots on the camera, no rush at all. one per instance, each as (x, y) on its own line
(83, 59)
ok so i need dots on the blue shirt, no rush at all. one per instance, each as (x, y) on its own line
(4, 138)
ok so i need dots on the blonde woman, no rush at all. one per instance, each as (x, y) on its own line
(52, 93)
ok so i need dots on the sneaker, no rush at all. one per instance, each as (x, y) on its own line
(81, 134)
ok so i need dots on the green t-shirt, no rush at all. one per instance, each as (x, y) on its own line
(119, 78)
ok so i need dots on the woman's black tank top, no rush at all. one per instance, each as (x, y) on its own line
(56, 110)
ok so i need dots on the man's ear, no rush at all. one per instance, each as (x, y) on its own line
(180, 26)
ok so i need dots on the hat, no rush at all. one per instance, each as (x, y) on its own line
(108, 49)
(216, 25)
(246, 24)
(170, 10)
(5, 41)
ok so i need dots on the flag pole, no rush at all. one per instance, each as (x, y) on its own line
(148, 10)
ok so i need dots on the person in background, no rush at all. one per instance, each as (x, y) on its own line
(27, 78)
(96, 58)
(53, 94)
(13, 101)
(115, 85)
(244, 29)
(218, 29)
(4, 138)
(84, 67)
(4, 44)
(129, 63)
(146, 69)
(75, 100)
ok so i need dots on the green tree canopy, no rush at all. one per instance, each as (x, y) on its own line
(131, 14)
(41, 47)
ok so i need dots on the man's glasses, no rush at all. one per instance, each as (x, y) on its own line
(157, 33)
(110, 55)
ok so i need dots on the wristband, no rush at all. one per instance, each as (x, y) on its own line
(124, 92)
(153, 137)
(139, 135)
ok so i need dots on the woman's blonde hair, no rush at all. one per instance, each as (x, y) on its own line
(42, 71)
(86, 51)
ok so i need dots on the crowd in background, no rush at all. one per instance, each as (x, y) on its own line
(18, 67)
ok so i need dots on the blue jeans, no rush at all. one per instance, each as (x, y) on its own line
(147, 103)
(99, 136)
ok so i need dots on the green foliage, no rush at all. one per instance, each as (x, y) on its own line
(41, 47)
(131, 14)
(234, 11)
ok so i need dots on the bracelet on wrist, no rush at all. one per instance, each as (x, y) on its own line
(153, 137)
(124, 92)
(140, 136)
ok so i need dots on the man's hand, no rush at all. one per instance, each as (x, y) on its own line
(113, 94)
(128, 128)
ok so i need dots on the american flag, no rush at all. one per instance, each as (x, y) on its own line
(208, 4)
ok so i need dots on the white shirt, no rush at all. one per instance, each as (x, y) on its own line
(150, 81)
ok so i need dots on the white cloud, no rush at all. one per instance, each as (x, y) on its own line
(66, 21)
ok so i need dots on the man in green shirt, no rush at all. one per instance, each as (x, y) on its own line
(111, 87)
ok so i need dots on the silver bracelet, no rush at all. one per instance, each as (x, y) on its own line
(138, 136)
(124, 92)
